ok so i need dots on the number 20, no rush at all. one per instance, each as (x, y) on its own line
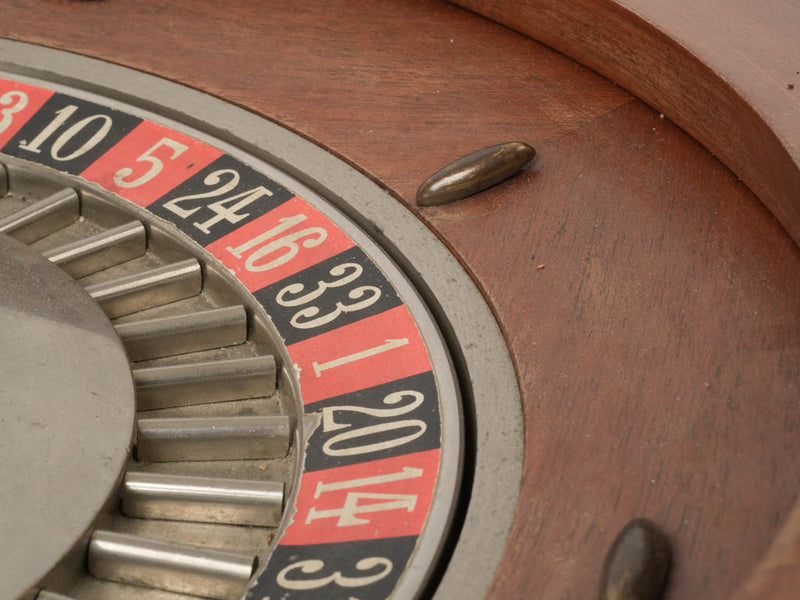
(408, 429)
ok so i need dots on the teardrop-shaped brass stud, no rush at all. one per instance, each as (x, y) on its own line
(474, 173)
(637, 565)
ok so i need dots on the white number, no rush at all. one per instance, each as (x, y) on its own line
(221, 209)
(223, 212)
(211, 179)
(286, 245)
(63, 115)
(310, 567)
(371, 292)
(348, 513)
(304, 319)
(329, 424)
(65, 137)
(338, 362)
(15, 101)
(404, 473)
(156, 164)
(297, 288)
(420, 427)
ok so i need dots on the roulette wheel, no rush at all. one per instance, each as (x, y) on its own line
(322, 390)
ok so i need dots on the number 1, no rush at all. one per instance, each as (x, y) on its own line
(338, 362)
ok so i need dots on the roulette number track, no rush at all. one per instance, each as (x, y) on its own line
(243, 362)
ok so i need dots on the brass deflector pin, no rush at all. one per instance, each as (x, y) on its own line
(638, 564)
(474, 173)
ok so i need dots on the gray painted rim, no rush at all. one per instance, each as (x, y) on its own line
(473, 336)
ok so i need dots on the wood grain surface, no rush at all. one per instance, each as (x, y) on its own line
(650, 301)
(724, 70)
(777, 575)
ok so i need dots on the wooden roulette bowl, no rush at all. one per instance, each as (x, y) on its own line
(648, 293)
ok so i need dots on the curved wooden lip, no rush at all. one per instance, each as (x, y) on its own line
(722, 71)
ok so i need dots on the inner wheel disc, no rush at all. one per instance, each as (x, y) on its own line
(67, 424)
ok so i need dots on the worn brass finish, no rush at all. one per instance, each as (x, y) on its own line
(474, 173)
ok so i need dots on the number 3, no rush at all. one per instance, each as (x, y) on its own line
(156, 164)
(312, 566)
(6, 99)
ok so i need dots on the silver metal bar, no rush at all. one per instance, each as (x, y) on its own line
(202, 499)
(202, 383)
(155, 287)
(44, 217)
(213, 438)
(169, 566)
(100, 251)
(168, 336)
(3, 180)
(46, 595)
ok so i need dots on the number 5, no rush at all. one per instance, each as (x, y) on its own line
(156, 164)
